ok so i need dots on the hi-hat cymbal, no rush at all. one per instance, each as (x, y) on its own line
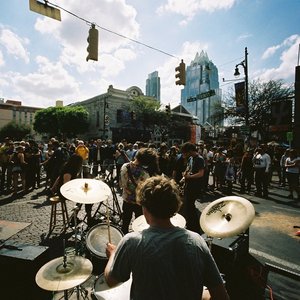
(227, 216)
(53, 276)
(140, 223)
(85, 190)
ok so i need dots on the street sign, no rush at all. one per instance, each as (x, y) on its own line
(202, 96)
(289, 136)
(44, 9)
(245, 129)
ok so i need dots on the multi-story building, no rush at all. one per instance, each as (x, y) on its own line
(153, 85)
(14, 111)
(202, 92)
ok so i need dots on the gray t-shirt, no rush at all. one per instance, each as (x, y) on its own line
(171, 263)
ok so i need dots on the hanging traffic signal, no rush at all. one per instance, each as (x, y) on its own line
(92, 48)
(181, 73)
(168, 109)
(133, 116)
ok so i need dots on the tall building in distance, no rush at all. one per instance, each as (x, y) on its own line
(202, 90)
(153, 85)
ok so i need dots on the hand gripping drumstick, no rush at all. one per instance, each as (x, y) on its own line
(108, 224)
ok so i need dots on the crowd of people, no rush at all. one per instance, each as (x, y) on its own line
(28, 161)
(156, 181)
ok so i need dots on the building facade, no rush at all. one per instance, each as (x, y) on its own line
(202, 91)
(14, 111)
(111, 117)
(153, 85)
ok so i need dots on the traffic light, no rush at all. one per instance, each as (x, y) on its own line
(181, 73)
(133, 116)
(106, 120)
(92, 48)
(168, 109)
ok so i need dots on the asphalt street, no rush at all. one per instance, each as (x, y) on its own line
(272, 237)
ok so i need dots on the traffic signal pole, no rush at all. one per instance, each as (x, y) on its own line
(296, 130)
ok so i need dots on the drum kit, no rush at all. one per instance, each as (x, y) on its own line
(225, 217)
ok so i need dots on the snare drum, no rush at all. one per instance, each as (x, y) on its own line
(97, 238)
(103, 292)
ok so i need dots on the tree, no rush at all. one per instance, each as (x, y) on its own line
(261, 96)
(62, 121)
(14, 131)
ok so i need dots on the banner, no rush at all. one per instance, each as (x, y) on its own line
(240, 95)
(281, 113)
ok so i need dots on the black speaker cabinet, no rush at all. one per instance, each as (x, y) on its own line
(245, 277)
(19, 265)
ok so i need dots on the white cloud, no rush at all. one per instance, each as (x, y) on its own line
(244, 37)
(288, 58)
(270, 51)
(49, 79)
(14, 45)
(1, 59)
(189, 8)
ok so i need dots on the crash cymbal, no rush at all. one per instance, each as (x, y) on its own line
(140, 223)
(227, 216)
(53, 276)
(85, 190)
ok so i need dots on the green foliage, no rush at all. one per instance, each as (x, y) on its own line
(14, 131)
(68, 121)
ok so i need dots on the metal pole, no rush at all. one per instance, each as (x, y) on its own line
(246, 88)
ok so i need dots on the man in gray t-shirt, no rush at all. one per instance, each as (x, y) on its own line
(165, 262)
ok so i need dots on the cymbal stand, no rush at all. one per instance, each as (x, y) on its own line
(209, 241)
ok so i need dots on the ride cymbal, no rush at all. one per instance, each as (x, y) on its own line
(85, 190)
(140, 223)
(54, 276)
(227, 216)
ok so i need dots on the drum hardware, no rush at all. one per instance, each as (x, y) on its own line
(60, 274)
(102, 291)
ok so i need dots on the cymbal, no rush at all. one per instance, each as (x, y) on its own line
(53, 276)
(140, 223)
(85, 190)
(227, 216)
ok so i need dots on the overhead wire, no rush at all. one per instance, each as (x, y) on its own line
(111, 31)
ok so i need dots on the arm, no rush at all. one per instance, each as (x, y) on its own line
(110, 252)
(218, 292)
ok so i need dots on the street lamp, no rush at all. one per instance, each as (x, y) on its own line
(244, 64)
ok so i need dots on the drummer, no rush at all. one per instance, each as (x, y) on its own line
(166, 262)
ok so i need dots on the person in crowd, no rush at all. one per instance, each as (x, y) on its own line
(55, 162)
(47, 167)
(96, 157)
(292, 165)
(4, 164)
(17, 161)
(130, 152)
(261, 164)
(165, 262)
(276, 164)
(193, 177)
(121, 158)
(163, 160)
(145, 164)
(83, 151)
(172, 157)
(246, 172)
(283, 158)
(219, 167)
(108, 157)
(230, 174)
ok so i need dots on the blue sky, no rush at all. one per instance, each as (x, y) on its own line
(43, 60)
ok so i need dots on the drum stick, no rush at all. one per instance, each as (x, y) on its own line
(108, 224)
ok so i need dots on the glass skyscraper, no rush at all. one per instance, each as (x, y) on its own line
(201, 77)
(153, 85)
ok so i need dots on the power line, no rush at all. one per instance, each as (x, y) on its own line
(111, 31)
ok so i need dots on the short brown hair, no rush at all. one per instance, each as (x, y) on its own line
(160, 196)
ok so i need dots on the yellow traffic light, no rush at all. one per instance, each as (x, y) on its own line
(181, 74)
(92, 48)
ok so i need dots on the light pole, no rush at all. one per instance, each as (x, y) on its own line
(244, 64)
